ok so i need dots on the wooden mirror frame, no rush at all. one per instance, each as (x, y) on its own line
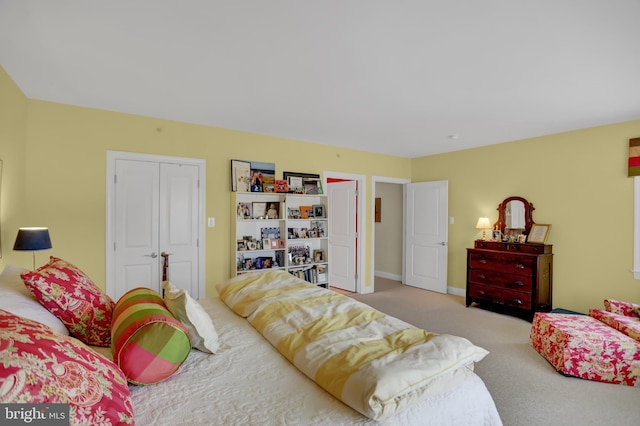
(528, 210)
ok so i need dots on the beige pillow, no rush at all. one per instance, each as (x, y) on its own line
(189, 312)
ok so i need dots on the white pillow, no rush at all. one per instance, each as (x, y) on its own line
(189, 312)
(16, 298)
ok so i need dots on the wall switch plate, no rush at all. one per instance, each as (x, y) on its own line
(211, 222)
(450, 220)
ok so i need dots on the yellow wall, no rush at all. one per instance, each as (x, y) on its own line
(13, 119)
(65, 171)
(577, 182)
(55, 164)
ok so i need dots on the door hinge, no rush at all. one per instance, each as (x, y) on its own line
(357, 193)
(356, 235)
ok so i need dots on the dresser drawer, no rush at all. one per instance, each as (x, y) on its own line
(499, 279)
(503, 262)
(528, 248)
(499, 296)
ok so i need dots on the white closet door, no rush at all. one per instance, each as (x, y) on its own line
(179, 223)
(157, 210)
(136, 226)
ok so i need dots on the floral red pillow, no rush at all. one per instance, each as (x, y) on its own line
(40, 366)
(71, 296)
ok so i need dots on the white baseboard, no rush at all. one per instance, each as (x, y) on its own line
(457, 291)
(388, 276)
(450, 290)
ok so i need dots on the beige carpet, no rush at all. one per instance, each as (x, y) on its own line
(527, 390)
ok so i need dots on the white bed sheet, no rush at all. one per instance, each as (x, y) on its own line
(248, 382)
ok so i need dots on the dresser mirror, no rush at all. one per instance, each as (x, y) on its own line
(514, 217)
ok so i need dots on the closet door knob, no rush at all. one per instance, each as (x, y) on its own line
(152, 255)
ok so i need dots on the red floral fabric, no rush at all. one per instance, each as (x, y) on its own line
(41, 366)
(622, 308)
(71, 296)
(582, 346)
(623, 323)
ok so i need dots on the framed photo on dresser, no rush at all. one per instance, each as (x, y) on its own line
(538, 233)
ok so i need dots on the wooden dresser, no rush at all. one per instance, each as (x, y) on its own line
(514, 278)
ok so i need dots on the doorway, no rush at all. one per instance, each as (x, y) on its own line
(387, 243)
(155, 211)
(423, 235)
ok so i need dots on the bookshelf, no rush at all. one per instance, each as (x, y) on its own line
(281, 231)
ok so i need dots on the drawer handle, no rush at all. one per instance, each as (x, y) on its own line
(519, 266)
(483, 260)
(481, 292)
(482, 276)
(517, 301)
(515, 284)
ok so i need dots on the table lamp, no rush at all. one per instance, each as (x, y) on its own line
(33, 239)
(484, 224)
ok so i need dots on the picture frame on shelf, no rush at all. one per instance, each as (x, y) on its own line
(273, 210)
(242, 246)
(259, 209)
(295, 180)
(310, 186)
(240, 176)
(276, 244)
(319, 256)
(293, 213)
(252, 245)
(320, 227)
(248, 264)
(313, 186)
(306, 212)
(538, 233)
(318, 210)
(263, 175)
(266, 244)
(281, 185)
(244, 210)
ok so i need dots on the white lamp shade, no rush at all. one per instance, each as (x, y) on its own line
(483, 223)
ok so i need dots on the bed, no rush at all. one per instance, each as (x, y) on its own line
(249, 381)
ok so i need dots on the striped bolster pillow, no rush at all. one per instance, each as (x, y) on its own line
(147, 342)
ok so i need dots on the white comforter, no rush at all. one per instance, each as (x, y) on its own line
(248, 382)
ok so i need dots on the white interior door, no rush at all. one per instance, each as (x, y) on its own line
(342, 234)
(136, 226)
(154, 207)
(178, 233)
(426, 235)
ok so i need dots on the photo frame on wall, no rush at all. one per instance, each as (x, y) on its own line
(240, 176)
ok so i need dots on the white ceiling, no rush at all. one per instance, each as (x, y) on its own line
(408, 78)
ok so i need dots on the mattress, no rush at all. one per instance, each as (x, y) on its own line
(249, 382)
